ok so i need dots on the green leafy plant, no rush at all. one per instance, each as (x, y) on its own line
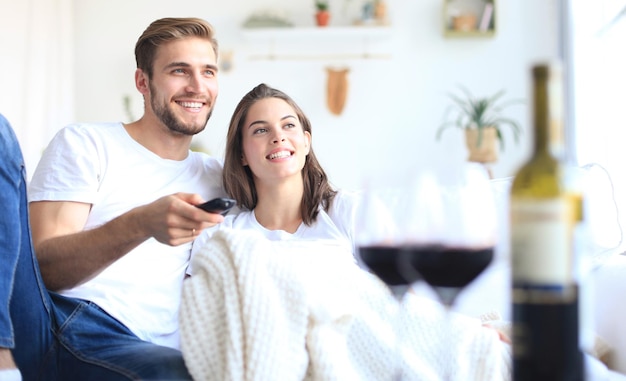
(472, 112)
(128, 107)
(321, 5)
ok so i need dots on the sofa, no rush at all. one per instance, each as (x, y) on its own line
(602, 269)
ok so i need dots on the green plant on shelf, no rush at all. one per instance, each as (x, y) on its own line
(321, 5)
(470, 112)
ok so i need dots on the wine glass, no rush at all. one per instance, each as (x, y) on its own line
(452, 236)
(378, 237)
(379, 242)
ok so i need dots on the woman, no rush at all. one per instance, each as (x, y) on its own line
(271, 170)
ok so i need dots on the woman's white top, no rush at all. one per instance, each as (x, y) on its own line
(336, 225)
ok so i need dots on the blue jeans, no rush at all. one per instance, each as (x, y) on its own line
(54, 337)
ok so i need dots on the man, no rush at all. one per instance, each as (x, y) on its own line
(113, 215)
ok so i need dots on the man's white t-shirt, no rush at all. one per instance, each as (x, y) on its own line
(336, 226)
(101, 165)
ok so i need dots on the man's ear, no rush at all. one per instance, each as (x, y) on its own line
(142, 82)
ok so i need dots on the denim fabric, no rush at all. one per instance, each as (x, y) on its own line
(54, 337)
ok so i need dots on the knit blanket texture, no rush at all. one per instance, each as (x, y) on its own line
(256, 309)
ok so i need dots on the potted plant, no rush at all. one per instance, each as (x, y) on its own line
(482, 121)
(322, 15)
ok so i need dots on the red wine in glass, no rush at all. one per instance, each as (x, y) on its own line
(448, 269)
(383, 262)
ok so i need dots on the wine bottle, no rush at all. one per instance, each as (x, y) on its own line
(544, 213)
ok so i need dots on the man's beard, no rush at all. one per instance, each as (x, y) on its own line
(167, 117)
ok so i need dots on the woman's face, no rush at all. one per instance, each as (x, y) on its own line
(274, 144)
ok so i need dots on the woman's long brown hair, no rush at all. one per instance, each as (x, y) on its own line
(238, 179)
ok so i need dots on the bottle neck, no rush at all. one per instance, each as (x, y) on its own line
(548, 114)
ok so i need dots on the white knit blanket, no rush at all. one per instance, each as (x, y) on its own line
(283, 310)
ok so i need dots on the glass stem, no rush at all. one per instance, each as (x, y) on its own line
(449, 349)
(398, 293)
(447, 296)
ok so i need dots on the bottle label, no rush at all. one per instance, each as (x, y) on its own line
(540, 241)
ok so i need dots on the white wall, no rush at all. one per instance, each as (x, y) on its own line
(36, 75)
(393, 109)
(394, 106)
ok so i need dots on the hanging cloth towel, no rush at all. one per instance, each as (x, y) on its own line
(337, 89)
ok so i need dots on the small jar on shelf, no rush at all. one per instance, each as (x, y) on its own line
(469, 18)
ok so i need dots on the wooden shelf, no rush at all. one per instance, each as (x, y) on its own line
(313, 32)
(469, 18)
(286, 43)
(469, 34)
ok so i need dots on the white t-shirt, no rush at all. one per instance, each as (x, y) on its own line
(101, 165)
(336, 226)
